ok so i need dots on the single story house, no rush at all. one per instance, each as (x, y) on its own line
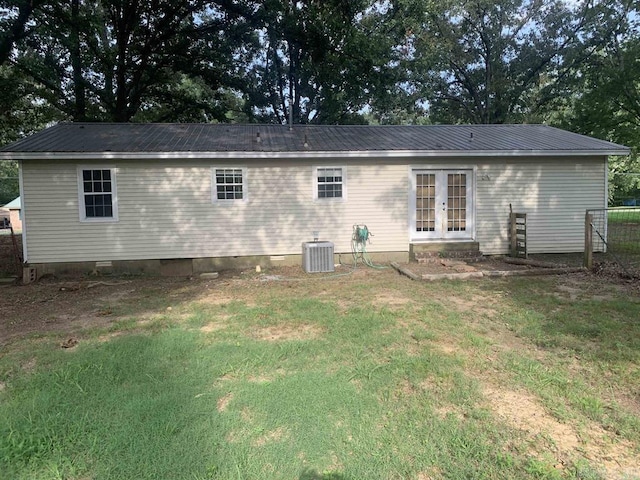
(196, 197)
(15, 214)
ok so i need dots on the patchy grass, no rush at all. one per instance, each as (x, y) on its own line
(369, 375)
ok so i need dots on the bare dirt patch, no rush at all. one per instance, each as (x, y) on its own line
(51, 306)
(216, 298)
(450, 410)
(66, 307)
(525, 413)
(261, 379)
(448, 347)
(212, 327)
(471, 303)
(248, 418)
(391, 299)
(431, 474)
(110, 336)
(29, 366)
(578, 287)
(269, 437)
(286, 331)
(224, 402)
(411, 349)
(247, 415)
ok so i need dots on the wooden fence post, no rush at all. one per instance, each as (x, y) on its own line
(588, 240)
(513, 234)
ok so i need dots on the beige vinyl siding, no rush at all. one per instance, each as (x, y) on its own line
(554, 193)
(165, 210)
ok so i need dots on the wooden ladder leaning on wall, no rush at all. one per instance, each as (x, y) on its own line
(517, 234)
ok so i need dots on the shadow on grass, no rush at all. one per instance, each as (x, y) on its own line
(130, 408)
(80, 304)
(604, 331)
(585, 315)
(315, 475)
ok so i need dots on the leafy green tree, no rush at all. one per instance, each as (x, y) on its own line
(321, 61)
(14, 20)
(488, 61)
(9, 184)
(114, 59)
(21, 112)
(317, 61)
(607, 105)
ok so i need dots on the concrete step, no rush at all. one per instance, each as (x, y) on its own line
(433, 252)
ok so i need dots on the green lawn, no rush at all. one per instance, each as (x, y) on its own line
(623, 233)
(624, 215)
(362, 376)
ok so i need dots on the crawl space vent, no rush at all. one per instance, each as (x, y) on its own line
(317, 257)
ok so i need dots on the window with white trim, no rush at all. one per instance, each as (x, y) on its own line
(330, 182)
(229, 184)
(97, 189)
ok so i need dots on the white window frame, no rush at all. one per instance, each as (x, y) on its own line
(316, 170)
(81, 195)
(214, 185)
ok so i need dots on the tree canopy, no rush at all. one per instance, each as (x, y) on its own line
(318, 61)
(309, 61)
(604, 102)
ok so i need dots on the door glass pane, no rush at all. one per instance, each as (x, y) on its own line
(425, 202)
(456, 202)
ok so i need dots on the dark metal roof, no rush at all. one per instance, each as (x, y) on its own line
(134, 138)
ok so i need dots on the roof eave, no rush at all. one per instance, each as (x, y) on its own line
(305, 154)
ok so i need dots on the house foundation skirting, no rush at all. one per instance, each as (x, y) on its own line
(185, 267)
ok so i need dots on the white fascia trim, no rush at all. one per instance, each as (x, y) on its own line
(25, 253)
(302, 154)
(606, 183)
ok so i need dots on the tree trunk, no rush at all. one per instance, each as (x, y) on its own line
(17, 30)
(80, 107)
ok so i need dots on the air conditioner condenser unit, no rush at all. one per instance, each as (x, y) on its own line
(317, 257)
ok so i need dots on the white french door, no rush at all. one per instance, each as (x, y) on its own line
(442, 204)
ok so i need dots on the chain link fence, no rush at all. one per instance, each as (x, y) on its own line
(612, 241)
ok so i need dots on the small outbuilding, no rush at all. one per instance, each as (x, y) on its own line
(204, 196)
(14, 208)
(5, 218)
